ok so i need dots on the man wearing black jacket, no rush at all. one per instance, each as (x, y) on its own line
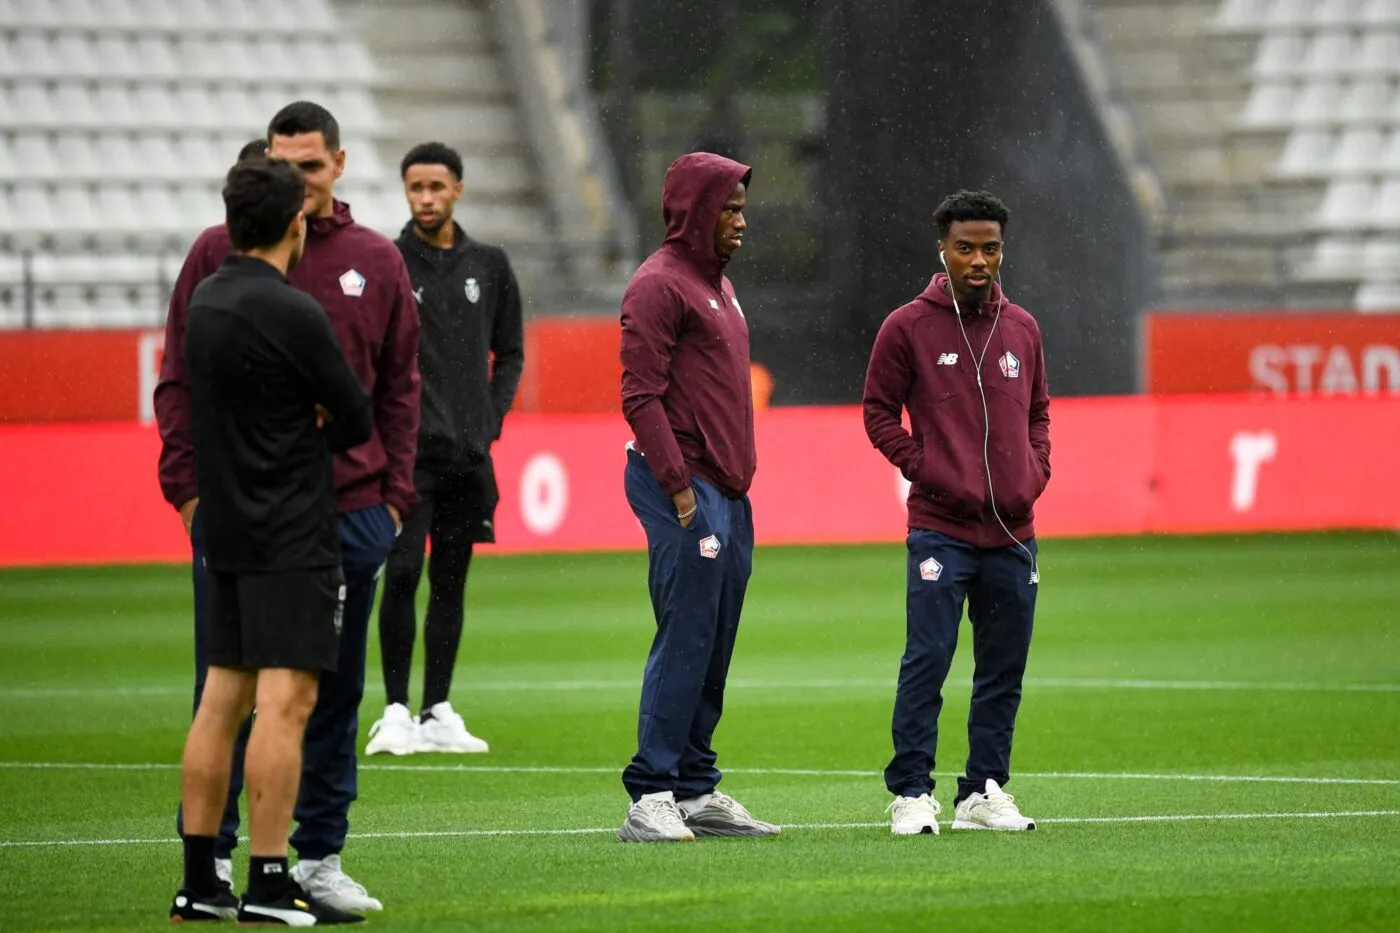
(271, 396)
(470, 354)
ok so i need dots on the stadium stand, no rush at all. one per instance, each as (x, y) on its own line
(118, 119)
(1327, 74)
(1276, 124)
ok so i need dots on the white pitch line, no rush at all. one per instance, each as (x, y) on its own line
(599, 830)
(29, 694)
(773, 772)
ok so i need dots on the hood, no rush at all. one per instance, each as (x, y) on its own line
(697, 185)
(937, 293)
(340, 217)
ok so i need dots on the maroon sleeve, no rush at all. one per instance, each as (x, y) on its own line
(887, 383)
(652, 317)
(1040, 411)
(396, 390)
(172, 393)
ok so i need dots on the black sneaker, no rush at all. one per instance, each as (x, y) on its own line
(189, 907)
(294, 908)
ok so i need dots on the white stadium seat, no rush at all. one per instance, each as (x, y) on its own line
(1378, 295)
(1346, 205)
(119, 119)
(1381, 13)
(32, 159)
(1358, 152)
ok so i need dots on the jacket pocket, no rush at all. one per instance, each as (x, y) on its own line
(952, 479)
(1017, 478)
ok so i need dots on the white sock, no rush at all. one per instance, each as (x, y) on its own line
(696, 803)
(659, 795)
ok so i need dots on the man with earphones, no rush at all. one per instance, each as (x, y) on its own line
(969, 367)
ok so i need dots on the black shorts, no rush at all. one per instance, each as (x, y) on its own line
(457, 507)
(288, 619)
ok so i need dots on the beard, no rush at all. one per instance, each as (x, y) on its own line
(979, 295)
(432, 228)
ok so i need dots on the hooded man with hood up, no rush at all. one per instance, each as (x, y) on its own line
(686, 393)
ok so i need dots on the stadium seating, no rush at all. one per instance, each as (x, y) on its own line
(118, 119)
(1326, 74)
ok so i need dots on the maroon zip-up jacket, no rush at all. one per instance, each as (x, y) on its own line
(686, 387)
(359, 277)
(921, 362)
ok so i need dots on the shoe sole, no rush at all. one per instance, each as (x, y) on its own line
(922, 831)
(391, 751)
(623, 836)
(734, 833)
(966, 824)
(444, 749)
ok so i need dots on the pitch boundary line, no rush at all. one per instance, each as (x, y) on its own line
(599, 830)
(771, 772)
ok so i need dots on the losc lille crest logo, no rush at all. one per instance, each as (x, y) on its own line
(709, 547)
(352, 284)
(930, 570)
(1010, 366)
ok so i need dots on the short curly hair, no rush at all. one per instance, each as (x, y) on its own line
(432, 154)
(970, 205)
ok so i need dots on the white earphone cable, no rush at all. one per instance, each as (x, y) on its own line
(986, 413)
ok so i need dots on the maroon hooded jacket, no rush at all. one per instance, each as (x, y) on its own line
(686, 387)
(921, 362)
(359, 278)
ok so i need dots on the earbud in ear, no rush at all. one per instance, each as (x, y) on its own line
(941, 259)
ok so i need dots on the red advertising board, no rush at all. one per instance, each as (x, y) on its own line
(1278, 353)
(571, 364)
(88, 493)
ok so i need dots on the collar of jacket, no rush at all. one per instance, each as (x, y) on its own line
(429, 252)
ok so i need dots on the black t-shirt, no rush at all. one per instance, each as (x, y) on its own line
(261, 356)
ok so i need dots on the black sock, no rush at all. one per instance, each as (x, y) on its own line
(200, 876)
(267, 877)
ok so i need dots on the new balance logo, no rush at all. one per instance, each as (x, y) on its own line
(947, 359)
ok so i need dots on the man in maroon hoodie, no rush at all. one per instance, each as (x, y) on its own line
(687, 394)
(359, 277)
(969, 367)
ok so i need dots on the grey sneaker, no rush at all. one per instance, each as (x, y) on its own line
(655, 819)
(725, 816)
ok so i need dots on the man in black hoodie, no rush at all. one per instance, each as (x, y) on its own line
(470, 354)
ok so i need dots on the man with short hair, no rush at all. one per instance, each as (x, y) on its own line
(252, 149)
(688, 396)
(969, 367)
(267, 383)
(470, 354)
(359, 278)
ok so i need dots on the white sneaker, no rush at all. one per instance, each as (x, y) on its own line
(223, 867)
(995, 809)
(442, 730)
(914, 816)
(396, 733)
(325, 882)
(655, 818)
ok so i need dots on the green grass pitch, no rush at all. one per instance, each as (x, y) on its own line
(1210, 737)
